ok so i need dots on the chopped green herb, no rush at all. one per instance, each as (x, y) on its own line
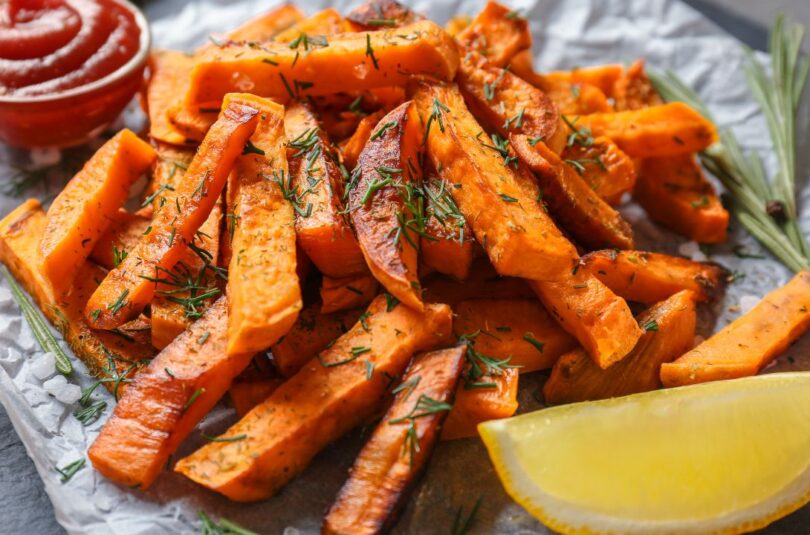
(68, 471)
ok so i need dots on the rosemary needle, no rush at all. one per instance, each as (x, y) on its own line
(41, 331)
(753, 195)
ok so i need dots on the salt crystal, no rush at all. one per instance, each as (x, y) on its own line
(54, 385)
(102, 502)
(44, 366)
(699, 256)
(45, 157)
(291, 531)
(688, 249)
(748, 302)
(68, 394)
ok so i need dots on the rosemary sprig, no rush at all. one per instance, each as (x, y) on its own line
(69, 470)
(766, 208)
(223, 527)
(41, 331)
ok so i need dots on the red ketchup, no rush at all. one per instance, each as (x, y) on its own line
(49, 46)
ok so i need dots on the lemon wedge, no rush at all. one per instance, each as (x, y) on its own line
(722, 457)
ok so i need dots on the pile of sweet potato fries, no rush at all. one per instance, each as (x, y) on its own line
(407, 217)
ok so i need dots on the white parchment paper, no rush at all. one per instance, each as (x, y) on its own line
(566, 34)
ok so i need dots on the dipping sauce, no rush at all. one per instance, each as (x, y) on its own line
(50, 46)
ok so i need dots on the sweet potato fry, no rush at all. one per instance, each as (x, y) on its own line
(448, 245)
(456, 24)
(87, 205)
(603, 77)
(282, 434)
(129, 288)
(398, 450)
(605, 167)
(247, 394)
(325, 22)
(375, 14)
(670, 331)
(191, 285)
(496, 33)
(667, 130)
(477, 405)
(633, 89)
(267, 25)
(510, 223)
(353, 146)
(383, 203)
(169, 168)
(577, 207)
(310, 335)
(519, 330)
(653, 277)
(372, 59)
(599, 319)
(167, 400)
(509, 105)
(348, 292)
(749, 343)
(121, 236)
(315, 188)
(264, 295)
(113, 357)
(169, 80)
(483, 282)
(675, 193)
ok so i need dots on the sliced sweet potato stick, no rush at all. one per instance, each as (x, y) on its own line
(348, 292)
(508, 104)
(477, 405)
(247, 394)
(483, 282)
(85, 208)
(372, 59)
(130, 287)
(169, 168)
(666, 130)
(376, 14)
(384, 206)
(169, 80)
(397, 452)
(599, 319)
(653, 277)
(191, 285)
(353, 146)
(749, 343)
(315, 189)
(605, 167)
(448, 245)
(675, 193)
(496, 33)
(121, 236)
(517, 330)
(266, 26)
(577, 207)
(167, 400)
(603, 77)
(264, 295)
(670, 331)
(508, 220)
(310, 335)
(633, 89)
(325, 22)
(113, 357)
(282, 434)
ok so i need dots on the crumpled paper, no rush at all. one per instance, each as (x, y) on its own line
(566, 34)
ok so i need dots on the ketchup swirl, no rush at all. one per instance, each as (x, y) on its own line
(49, 46)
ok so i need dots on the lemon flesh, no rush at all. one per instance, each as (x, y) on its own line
(721, 457)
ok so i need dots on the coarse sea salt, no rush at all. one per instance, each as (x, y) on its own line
(53, 385)
(43, 366)
(45, 157)
(68, 394)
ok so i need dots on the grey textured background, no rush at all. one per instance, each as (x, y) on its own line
(25, 507)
